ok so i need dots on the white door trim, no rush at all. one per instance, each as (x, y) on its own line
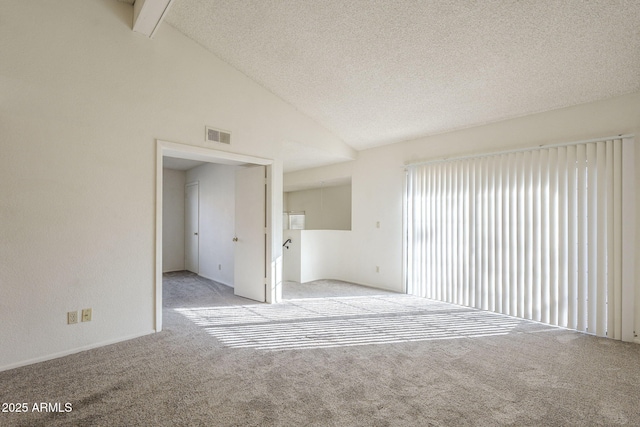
(274, 203)
(189, 261)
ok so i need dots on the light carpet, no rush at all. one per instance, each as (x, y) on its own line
(333, 355)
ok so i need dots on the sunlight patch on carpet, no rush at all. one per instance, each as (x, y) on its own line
(313, 308)
(345, 321)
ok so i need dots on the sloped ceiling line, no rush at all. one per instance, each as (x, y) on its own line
(379, 72)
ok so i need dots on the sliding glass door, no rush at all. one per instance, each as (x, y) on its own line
(536, 234)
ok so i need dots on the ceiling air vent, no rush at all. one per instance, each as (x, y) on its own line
(217, 135)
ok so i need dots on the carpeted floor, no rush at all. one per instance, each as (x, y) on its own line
(357, 357)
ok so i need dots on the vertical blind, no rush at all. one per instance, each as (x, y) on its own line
(536, 234)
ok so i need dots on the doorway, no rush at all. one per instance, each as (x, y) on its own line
(271, 264)
(192, 227)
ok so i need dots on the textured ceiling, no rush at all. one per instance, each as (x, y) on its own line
(377, 72)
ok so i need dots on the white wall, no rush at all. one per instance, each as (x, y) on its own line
(217, 220)
(84, 100)
(326, 208)
(315, 254)
(291, 256)
(378, 179)
(321, 256)
(173, 220)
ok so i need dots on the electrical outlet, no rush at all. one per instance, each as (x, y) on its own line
(377, 269)
(72, 317)
(219, 266)
(86, 314)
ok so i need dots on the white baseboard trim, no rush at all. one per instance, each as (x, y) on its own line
(215, 280)
(172, 270)
(72, 351)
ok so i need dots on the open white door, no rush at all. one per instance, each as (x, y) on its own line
(250, 238)
(191, 227)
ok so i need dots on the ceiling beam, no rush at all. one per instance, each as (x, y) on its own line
(148, 14)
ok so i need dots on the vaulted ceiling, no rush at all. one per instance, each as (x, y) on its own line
(377, 72)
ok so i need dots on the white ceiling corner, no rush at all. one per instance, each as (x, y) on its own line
(309, 185)
(297, 156)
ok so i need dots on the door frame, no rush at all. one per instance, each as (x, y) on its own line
(273, 255)
(186, 217)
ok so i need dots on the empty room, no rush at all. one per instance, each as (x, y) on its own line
(286, 213)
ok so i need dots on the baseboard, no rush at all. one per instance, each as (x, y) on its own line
(215, 280)
(72, 351)
(225, 284)
(366, 285)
